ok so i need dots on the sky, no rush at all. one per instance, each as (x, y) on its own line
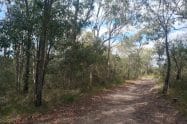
(2, 11)
(178, 33)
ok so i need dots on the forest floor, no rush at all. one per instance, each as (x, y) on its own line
(135, 102)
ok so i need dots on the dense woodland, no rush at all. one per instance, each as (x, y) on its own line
(53, 50)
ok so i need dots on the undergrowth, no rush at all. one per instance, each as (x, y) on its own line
(15, 105)
(178, 89)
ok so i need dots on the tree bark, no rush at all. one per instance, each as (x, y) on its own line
(90, 76)
(75, 26)
(5, 52)
(178, 75)
(17, 55)
(28, 52)
(27, 65)
(129, 66)
(166, 83)
(108, 56)
(41, 54)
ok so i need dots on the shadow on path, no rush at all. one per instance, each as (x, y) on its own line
(137, 102)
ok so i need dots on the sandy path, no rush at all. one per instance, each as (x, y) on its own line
(133, 103)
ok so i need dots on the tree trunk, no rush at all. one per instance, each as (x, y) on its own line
(39, 79)
(90, 77)
(28, 52)
(41, 54)
(76, 26)
(17, 56)
(178, 76)
(129, 65)
(166, 83)
(5, 52)
(27, 65)
(108, 61)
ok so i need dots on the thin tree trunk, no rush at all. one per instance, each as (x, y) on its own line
(76, 26)
(40, 67)
(40, 71)
(178, 76)
(129, 64)
(166, 83)
(27, 65)
(21, 62)
(28, 52)
(90, 77)
(17, 49)
(5, 52)
(34, 66)
(108, 68)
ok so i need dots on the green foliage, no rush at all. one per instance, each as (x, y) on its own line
(69, 98)
(178, 85)
(74, 61)
(136, 60)
(178, 89)
(7, 76)
(78, 62)
(19, 105)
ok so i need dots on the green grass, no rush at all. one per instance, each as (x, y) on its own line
(20, 105)
(23, 105)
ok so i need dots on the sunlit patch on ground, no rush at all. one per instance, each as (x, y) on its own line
(134, 103)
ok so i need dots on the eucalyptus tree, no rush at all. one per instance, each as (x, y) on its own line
(29, 30)
(179, 56)
(164, 13)
(136, 55)
(37, 29)
(13, 27)
(110, 19)
(74, 16)
(182, 13)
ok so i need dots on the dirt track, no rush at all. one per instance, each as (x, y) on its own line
(134, 103)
